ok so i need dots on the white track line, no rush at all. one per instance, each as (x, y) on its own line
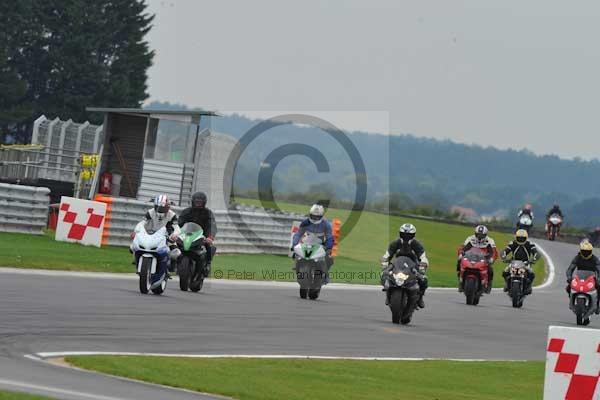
(45, 355)
(551, 269)
(53, 390)
(247, 283)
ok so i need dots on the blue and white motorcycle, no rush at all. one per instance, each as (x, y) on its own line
(152, 257)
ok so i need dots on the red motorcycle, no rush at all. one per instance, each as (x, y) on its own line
(474, 274)
(583, 295)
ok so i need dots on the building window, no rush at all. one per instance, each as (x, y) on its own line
(171, 141)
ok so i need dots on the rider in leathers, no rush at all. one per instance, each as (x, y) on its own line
(203, 216)
(317, 224)
(585, 260)
(406, 245)
(160, 216)
(521, 249)
(482, 241)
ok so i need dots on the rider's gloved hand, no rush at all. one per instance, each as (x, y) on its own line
(209, 240)
(173, 237)
(328, 252)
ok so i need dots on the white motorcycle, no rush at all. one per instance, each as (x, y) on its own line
(525, 222)
(152, 257)
(311, 265)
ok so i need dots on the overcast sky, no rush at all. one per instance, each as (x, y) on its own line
(503, 73)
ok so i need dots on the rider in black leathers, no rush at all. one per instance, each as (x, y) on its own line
(523, 250)
(406, 245)
(203, 216)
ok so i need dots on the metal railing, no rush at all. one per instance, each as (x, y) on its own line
(23, 209)
(238, 231)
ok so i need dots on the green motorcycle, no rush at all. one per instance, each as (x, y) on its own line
(192, 265)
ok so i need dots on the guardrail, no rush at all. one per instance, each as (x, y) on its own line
(238, 231)
(23, 209)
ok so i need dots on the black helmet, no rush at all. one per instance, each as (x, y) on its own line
(199, 200)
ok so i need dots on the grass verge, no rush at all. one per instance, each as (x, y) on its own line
(20, 396)
(356, 264)
(250, 379)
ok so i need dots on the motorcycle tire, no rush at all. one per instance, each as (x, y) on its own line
(515, 294)
(471, 291)
(303, 293)
(398, 302)
(145, 275)
(313, 294)
(196, 286)
(580, 311)
(184, 270)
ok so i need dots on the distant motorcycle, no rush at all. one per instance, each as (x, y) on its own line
(311, 265)
(584, 296)
(474, 275)
(191, 267)
(152, 257)
(517, 282)
(553, 226)
(402, 289)
(525, 222)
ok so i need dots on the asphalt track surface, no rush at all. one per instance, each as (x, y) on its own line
(61, 313)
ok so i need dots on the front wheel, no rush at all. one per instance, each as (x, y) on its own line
(303, 293)
(313, 294)
(515, 294)
(552, 233)
(580, 311)
(398, 302)
(145, 273)
(471, 291)
(184, 270)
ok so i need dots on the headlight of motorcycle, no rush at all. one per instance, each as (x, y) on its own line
(400, 278)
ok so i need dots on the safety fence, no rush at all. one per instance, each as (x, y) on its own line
(255, 231)
(23, 209)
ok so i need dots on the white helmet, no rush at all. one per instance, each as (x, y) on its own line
(481, 232)
(316, 213)
(407, 232)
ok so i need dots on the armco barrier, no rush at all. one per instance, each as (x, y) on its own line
(238, 231)
(23, 209)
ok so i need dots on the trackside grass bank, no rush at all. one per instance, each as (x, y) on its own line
(20, 396)
(265, 379)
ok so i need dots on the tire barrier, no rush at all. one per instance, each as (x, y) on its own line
(23, 209)
(256, 231)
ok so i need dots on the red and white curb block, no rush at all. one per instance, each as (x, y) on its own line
(572, 364)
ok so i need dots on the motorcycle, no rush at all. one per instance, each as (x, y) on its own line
(473, 275)
(517, 282)
(192, 265)
(402, 289)
(583, 295)
(553, 226)
(152, 258)
(311, 265)
(525, 222)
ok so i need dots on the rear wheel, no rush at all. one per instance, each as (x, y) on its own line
(313, 294)
(515, 294)
(196, 286)
(471, 291)
(303, 293)
(145, 275)
(184, 270)
(398, 300)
